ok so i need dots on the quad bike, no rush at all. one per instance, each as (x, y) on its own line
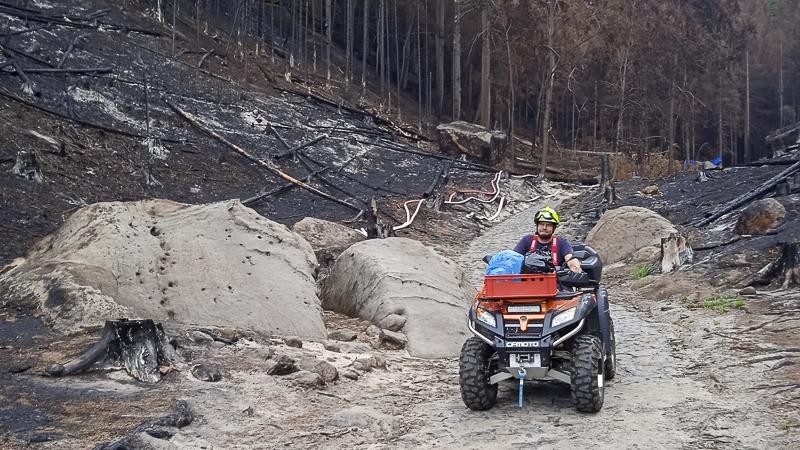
(544, 324)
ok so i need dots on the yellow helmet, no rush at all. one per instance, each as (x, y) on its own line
(546, 214)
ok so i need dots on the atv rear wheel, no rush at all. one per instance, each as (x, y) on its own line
(587, 374)
(474, 372)
(611, 358)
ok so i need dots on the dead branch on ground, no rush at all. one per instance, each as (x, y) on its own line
(266, 164)
(749, 196)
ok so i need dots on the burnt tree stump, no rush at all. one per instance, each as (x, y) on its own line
(786, 266)
(675, 251)
(140, 346)
(27, 166)
(606, 182)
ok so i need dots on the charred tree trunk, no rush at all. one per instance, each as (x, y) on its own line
(747, 154)
(328, 38)
(606, 183)
(457, 60)
(348, 64)
(551, 74)
(365, 48)
(675, 251)
(27, 166)
(785, 266)
(440, 11)
(375, 228)
(486, 61)
(141, 346)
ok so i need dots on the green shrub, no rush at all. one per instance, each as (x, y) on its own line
(723, 303)
(641, 271)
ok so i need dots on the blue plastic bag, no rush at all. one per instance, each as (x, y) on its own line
(507, 262)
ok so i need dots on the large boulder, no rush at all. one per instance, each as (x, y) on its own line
(622, 232)
(217, 264)
(473, 140)
(760, 217)
(377, 278)
(328, 239)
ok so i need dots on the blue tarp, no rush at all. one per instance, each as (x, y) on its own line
(507, 262)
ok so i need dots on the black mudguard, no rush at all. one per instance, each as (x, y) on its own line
(604, 316)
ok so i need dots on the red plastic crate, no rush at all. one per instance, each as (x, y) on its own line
(520, 286)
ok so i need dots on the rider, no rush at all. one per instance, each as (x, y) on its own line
(545, 242)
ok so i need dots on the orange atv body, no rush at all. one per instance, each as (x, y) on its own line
(542, 326)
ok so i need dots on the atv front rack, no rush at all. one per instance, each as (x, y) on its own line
(519, 286)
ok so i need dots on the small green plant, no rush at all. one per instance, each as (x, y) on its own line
(723, 303)
(641, 271)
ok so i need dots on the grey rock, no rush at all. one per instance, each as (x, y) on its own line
(328, 239)
(283, 365)
(760, 217)
(749, 290)
(264, 353)
(306, 379)
(364, 418)
(393, 339)
(474, 140)
(205, 372)
(19, 366)
(332, 346)
(363, 364)
(342, 334)
(199, 337)
(378, 277)
(350, 374)
(354, 347)
(393, 322)
(378, 361)
(293, 341)
(372, 330)
(326, 370)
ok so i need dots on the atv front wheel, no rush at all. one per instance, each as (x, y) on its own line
(587, 374)
(474, 372)
(611, 358)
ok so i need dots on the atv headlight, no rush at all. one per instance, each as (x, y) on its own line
(486, 317)
(563, 317)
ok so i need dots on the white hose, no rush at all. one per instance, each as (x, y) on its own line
(495, 192)
(499, 208)
(409, 217)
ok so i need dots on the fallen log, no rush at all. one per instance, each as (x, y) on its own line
(732, 240)
(69, 50)
(294, 149)
(9, 96)
(13, 50)
(28, 86)
(770, 162)
(441, 177)
(279, 189)
(266, 164)
(203, 58)
(389, 145)
(157, 428)
(92, 70)
(752, 195)
(306, 161)
(376, 118)
(140, 346)
(28, 30)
